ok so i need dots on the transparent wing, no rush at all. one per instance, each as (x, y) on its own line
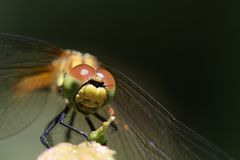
(21, 57)
(152, 132)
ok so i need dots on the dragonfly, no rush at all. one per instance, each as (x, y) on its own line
(35, 74)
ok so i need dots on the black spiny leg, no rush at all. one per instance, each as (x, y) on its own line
(101, 118)
(90, 123)
(50, 126)
(68, 134)
(61, 121)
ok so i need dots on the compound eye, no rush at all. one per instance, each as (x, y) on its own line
(106, 77)
(83, 72)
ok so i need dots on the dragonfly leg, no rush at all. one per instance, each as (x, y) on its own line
(101, 118)
(90, 123)
(50, 126)
(61, 121)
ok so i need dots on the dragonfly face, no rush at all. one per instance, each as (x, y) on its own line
(88, 89)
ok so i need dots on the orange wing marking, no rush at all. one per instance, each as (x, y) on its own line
(32, 83)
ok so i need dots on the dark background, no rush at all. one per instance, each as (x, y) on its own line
(184, 53)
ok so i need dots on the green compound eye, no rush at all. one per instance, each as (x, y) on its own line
(78, 76)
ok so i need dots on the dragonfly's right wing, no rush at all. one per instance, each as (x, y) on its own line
(148, 131)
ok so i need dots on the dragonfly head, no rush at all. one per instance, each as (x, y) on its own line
(90, 89)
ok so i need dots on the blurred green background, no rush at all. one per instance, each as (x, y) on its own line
(184, 53)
